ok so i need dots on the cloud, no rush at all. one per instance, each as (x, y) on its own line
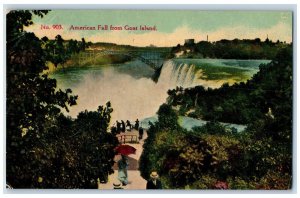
(280, 31)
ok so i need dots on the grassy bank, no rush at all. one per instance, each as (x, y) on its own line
(78, 60)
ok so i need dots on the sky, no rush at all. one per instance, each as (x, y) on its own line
(172, 26)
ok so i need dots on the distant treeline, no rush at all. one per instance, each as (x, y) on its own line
(230, 49)
(113, 46)
(59, 51)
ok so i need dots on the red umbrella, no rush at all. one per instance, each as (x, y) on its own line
(125, 149)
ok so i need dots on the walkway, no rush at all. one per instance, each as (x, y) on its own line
(136, 182)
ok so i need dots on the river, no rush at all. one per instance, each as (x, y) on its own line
(132, 92)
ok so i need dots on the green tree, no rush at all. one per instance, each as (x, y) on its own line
(83, 44)
(56, 51)
(167, 117)
(73, 47)
(45, 149)
(32, 98)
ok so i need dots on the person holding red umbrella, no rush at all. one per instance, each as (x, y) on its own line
(123, 162)
(122, 172)
(125, 149)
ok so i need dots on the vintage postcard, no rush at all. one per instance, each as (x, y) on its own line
(149, 99)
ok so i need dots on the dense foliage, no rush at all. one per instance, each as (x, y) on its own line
(231, 49)
(258, 158)
(44, 149)
(59, 51)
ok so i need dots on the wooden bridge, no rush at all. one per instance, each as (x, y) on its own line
(153, 59)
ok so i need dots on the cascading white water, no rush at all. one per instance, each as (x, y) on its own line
(181, 75)
(132, 98)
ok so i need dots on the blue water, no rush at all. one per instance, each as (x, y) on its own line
(188, 123)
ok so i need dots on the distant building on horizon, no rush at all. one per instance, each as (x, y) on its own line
(189, 41)
(151, 45)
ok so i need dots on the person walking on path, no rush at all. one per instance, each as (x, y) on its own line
(128, 125)
(137, 124)
(118, 127)
(141, 132)
(154, 182)
(122, 126)
(122, 172)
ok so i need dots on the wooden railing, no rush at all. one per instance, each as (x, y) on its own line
(128, 139)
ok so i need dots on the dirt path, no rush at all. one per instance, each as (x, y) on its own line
(135, 180)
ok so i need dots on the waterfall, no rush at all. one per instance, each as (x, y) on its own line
(130, 97)
(182, 75)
